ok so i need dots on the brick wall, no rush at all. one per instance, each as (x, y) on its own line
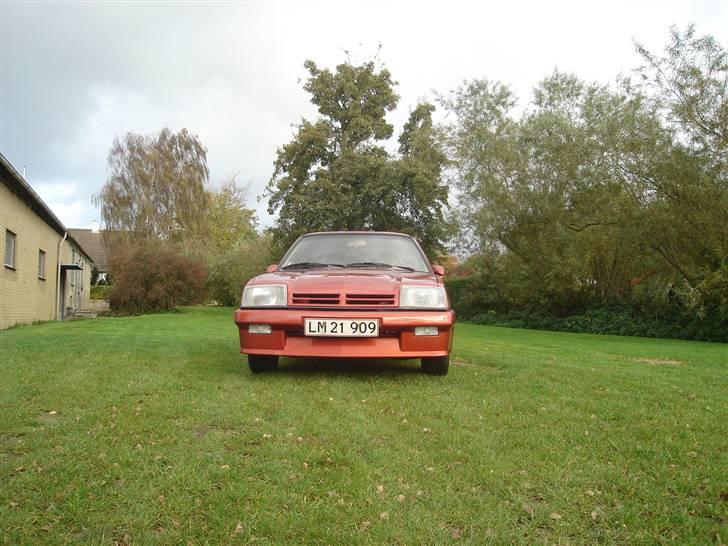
(24, 297)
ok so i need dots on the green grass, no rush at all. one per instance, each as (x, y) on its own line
(161, 435)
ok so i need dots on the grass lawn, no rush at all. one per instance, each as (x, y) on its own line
(151, 430)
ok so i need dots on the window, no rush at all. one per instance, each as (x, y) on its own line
(41, 264)
(9, 249)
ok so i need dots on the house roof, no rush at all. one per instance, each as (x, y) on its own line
(20, 187)
(93, 242)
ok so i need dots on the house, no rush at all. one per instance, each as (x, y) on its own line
(93, 242)
(45, 273)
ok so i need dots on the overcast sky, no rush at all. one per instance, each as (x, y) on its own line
(75, 75)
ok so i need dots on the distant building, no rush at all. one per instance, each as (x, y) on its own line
(45, 273)
(93, 242)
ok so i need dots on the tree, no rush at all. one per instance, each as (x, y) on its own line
(336, 175)
(229, 221)
(595, 193)
(688, 87)
(155, 189)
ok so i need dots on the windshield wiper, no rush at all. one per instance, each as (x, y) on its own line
(379, 264)
(310, 265)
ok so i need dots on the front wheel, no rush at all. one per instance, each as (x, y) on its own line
(436, 366)
(262, 363)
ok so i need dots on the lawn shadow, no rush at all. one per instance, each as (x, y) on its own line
(353, 367)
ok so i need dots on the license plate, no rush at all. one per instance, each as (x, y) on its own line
(341, 327)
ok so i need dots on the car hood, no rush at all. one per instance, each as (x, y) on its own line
(346, 280)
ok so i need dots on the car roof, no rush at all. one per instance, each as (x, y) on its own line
(360, 232)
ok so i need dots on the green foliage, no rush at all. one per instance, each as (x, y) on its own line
(594, 195)
(232, 268)
(100, 292)
(229, 222)
(336, 175)
(152, 278)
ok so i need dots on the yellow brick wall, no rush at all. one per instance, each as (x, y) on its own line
(24, 297)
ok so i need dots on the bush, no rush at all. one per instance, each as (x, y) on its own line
(230, 270)
(150, 279)
(616, 320)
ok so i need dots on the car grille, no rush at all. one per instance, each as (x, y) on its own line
(315, 299)
(355, 300)
(370, 299)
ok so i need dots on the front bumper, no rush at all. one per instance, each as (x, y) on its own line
(396, 339)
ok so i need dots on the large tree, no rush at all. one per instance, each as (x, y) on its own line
(155, 190)
(594, 189)
(336, 173)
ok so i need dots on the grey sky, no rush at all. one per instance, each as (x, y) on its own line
(74, 75)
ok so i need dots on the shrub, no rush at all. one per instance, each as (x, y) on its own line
(150, 279)
(230, 270)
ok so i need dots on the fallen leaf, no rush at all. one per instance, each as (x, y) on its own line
(384, 516)
(430, 468)
(238, 528)
(364, 525)
(380, 489)
(594, 515)
(161, 499)
(52, 412)
(13, 504)
(267, 435)
(225, 466)
(305, 466)
(456, 533)
(590, 492)
(555, 515)
(427, 430)
(528, 509)
(400, 498)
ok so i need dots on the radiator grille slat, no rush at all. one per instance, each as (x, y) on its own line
(370, 299)
(315, 299)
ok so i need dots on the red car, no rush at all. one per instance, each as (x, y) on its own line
(348, 294)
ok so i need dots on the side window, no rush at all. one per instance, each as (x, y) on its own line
(41, 264)
(9, 249)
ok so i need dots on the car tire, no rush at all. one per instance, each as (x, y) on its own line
(437, 365)
(262, 363)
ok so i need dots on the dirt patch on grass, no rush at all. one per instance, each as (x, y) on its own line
(459, 362)
(208, 430)
(659, 361)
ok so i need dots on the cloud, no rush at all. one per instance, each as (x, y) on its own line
(75, 75)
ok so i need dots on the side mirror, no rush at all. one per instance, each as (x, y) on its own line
(271, 268)
(439, 270)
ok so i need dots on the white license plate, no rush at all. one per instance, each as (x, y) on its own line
(341, 327)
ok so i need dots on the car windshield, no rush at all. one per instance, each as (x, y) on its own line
(354, 250)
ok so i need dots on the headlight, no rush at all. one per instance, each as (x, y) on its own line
(265, 295)
(422, 297)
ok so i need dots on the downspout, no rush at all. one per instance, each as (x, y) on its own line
(59, 313)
